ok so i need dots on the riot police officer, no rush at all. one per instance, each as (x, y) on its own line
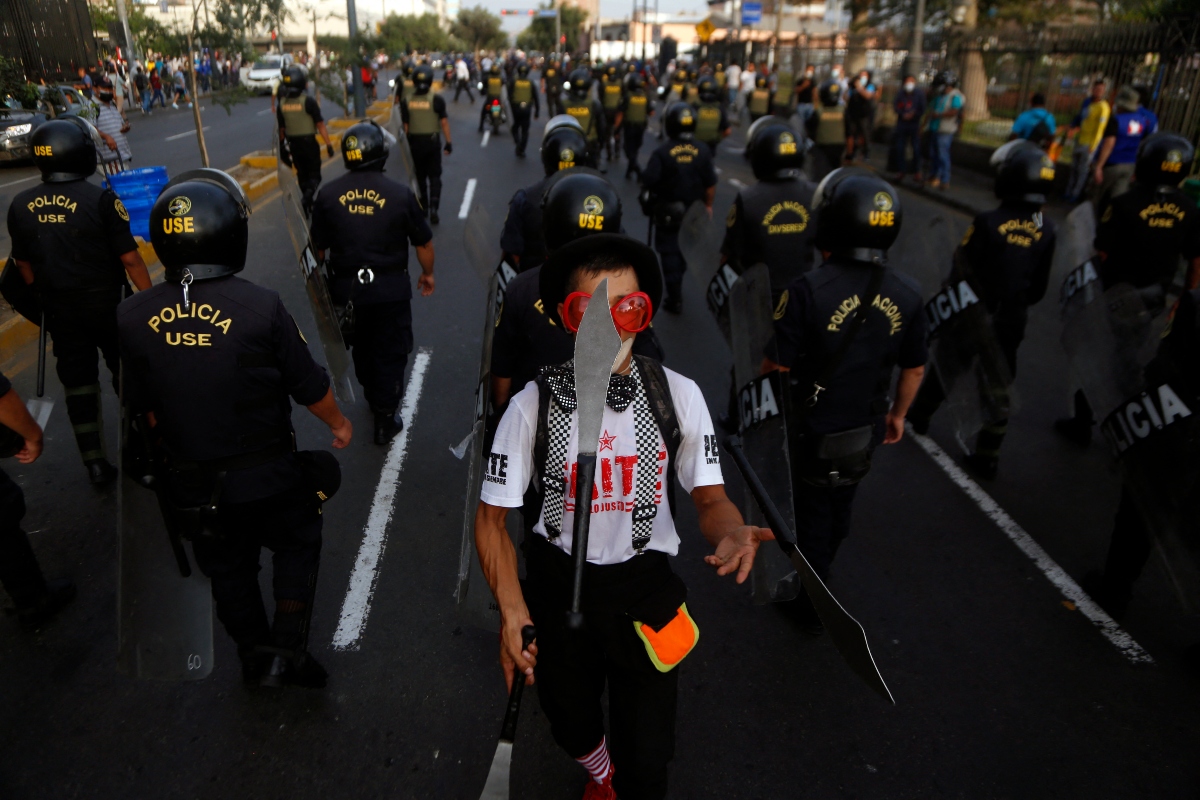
(1005, 258)
(552, 80)
(772, 221)
(1140, 238)
(712, 125)
(759, 104)
(845, 326)
(71, 242)
(492, 89)
(36, 599)
(678, 173)
(424, 118)
(578, 102)
(633, 117)
(365, 221)
(528, 335)
(612, 96)
(522, 240)
(407, 85)
(521, 95)
(300, 120)
(212, 363)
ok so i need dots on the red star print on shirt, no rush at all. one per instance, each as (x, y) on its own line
(606, 441)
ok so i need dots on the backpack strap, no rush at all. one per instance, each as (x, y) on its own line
(662, 408)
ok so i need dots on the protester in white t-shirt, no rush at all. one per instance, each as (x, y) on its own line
(632, 601)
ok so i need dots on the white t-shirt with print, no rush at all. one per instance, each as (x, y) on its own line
(508, 469)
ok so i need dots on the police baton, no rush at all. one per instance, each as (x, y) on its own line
(848, 635)
(41, 376)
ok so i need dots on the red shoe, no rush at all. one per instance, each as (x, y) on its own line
(600, 791)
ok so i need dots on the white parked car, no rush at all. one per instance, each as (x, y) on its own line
(264, 75)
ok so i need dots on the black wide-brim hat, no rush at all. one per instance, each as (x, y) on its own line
(552, 282)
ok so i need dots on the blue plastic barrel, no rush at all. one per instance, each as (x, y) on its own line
(138, 189)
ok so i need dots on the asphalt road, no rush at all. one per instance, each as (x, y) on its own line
(1002, 689)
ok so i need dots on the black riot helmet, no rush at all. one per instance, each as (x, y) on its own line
(776, 152)
(294, 79)
(610, 71)
(364, 147)
(693, 73)
(581, 217)
(680, 120)
(634, 82)
(199, 226)
(422, 78)
(63, 149)
(707, 89)
(829, 93)
(1164, 159)
(410, 67)
(495, 68)
(561, 121)
(563, 148)
(523, 69)
(579, 82)
(858, 214)
(1024, 172)
(681, 75)
(760, 82)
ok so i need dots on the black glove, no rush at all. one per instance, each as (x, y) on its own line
(285, 154)
(329, 150)
(449, 148)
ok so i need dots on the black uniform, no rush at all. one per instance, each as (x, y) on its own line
(635, 114)
(366, 221)
(73, 235)
(298, 117)
(590, 116)
(217, 377)
(807, 335)
(523, 98)
(420, 113)
(552, 78)
(19, 571)
(1143, 233)
(528, 336)
(1008, 252)
(522, 235)
(678, 172)
(772, 223)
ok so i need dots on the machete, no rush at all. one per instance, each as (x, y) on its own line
(496, 787)
(597, 348)
(848, 636)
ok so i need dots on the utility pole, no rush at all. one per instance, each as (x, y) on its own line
(360, 96)
(124, 17)
(778, 30)
(558, 48)
(912, 64)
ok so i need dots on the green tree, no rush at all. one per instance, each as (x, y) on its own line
(540, 33)
(479, 29)
(403, 34)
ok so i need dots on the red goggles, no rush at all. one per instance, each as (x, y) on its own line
(631, 313)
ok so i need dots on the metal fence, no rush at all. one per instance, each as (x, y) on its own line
(53, 38)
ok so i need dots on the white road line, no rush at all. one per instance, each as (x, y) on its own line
(735, 183)
(465, 208)
(1025, 543)
(22, 180)
(486, 135)
(357, 604)
(264, 111)
(185, 133)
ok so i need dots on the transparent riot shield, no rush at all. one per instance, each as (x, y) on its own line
(472, 593)
(970, 364)
(761, 403)
(395, 126)
(700, 241)
(1074, 244)
(164, 604)
(316, 286)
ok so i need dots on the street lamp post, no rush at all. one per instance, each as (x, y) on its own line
(360, 96)
(912, 64)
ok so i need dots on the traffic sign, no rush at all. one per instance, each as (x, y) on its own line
(551, 13)
(751, 13)
(705, 28)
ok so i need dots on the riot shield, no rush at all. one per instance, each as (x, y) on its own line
(164, 603)
(472, 593)
(700, 241)
(395, 126)
(970, 364)
(1074, 244)
(761, 402)
(315, 284)
(23, 298)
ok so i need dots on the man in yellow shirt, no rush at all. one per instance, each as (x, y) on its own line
(1088, 129)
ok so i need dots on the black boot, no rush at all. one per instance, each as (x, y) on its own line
(52, 600)
(433, 216)
(100, 472)
(293, 668)
(1113, 599)
(387, 425)
(983, 466)
(254, 663)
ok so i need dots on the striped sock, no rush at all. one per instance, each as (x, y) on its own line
(597, 763)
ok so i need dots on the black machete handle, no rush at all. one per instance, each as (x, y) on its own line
(584, 478)
(508, 730)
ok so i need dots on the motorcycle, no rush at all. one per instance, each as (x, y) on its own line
(495, 113)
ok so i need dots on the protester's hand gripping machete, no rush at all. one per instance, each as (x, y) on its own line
(497, 784)
(848, 636)
(597, 350)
